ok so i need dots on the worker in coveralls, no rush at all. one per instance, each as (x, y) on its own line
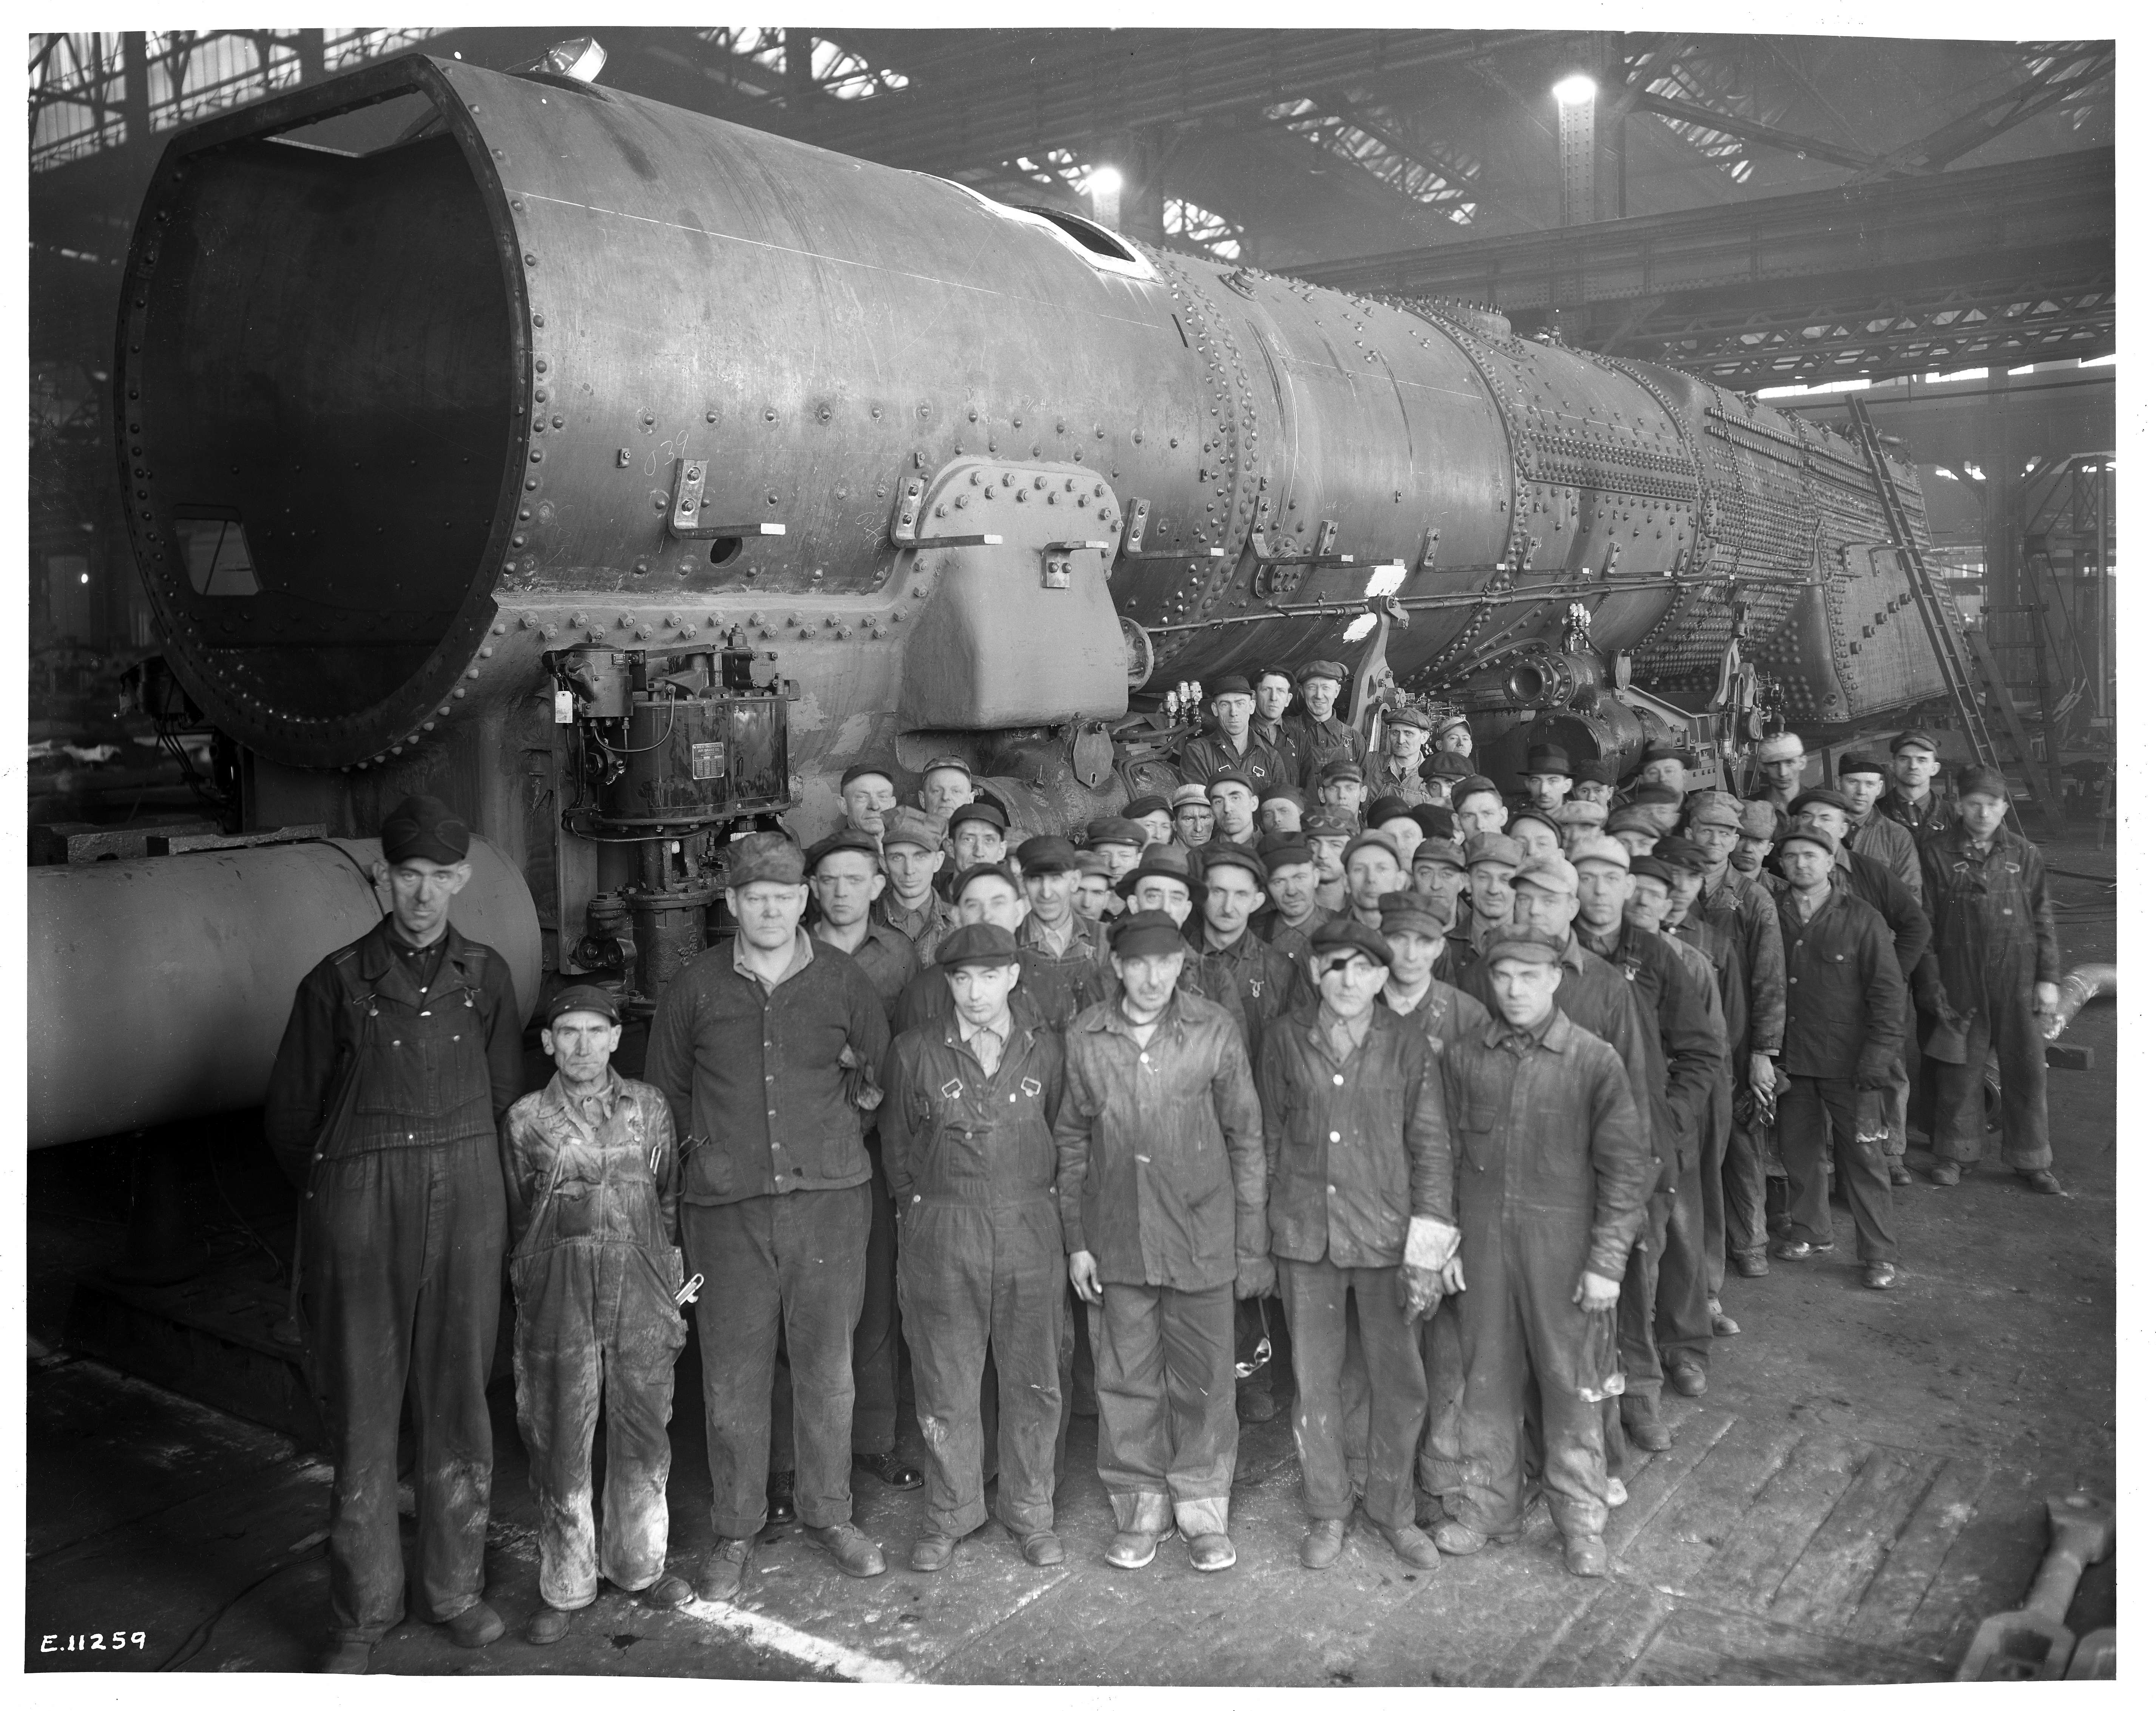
(1990, 906)
(1555, 1163)
(1161, 1180)
(1358, 1173)
(401, 1055)
(970, 1101)
(594, 1184)
(768, 1048)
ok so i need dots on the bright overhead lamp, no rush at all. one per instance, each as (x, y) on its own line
(1103, 181)
(1572, 91)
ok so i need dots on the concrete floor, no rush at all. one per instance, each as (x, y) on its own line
(1863, 1482)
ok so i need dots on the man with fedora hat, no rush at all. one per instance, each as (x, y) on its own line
(1546, 780)
(402, 1051)
(1322, 738)
(1231, 745)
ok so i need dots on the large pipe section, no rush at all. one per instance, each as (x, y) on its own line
(159, 989)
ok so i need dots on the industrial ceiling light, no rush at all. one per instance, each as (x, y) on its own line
(1104, 189)
(1572, 91)
(581, 56)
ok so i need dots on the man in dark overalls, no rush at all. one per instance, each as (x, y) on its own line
(969, 1103)
(401, 1055)
(594, 1185)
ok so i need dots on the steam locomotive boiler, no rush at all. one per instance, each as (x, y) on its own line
(620, 475)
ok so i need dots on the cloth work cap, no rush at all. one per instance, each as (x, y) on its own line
(1215, 856)
(1805, 835)
(915, 826)
(1915, 739)
(1140, 806)
(1548, 758)
(1093, 862)
(1533, 813)
(984, 811)
(1602, 848)
(1823, 799)
(1756, 818)
(1579, 814)
(1229, 775)
(1436, 819)
(1323, 668)
(1344, 932)
(1335, 771)
(1230, 684)
(1148, 932)
(1663, 751)
(1270, 841)
(1860, 763)
(1116, 830)
(1410, 912)
(1652, 867)
(1293, 853)
(1656, 796)
(1445, 764)
(1549, 873)
(1386, 807)
(763, 856)
(1048, 854)
(1327, 824)
(1190, 796)
(1281, 793)
(1633, 818)
(872, 769)
(1473, 785)
(1408, 715)
(594, 1000)
(427, 828)
(1981, 780)
(1370, 840)
(1445, 721)
(982, 942)
(1523, 944)
(859, 842)
(1493, 846)
(1683, 853)
(1717, 807)
(947, 763)
(1445, 850)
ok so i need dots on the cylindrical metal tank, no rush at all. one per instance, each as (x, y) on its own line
(403, 407)
(159, 989)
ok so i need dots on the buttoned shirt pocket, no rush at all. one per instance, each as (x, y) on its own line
(1477, 1123)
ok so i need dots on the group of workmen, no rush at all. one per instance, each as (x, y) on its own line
(1327, 1078)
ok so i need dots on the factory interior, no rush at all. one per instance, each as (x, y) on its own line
(1637, 389)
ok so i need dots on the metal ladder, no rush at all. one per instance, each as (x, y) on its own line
(1951, 645)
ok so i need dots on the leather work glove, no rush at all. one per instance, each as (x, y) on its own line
(1421, 1288)
(1253, 1277)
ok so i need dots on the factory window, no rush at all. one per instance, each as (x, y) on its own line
(218, 563)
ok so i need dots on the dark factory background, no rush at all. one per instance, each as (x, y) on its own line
(1925, 227)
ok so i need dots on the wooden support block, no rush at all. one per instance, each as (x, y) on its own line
(2070, 1057)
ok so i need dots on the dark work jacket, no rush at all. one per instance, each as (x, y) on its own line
(1206, 756)
(1923, 820)
(1742, 911)
(1081, 967)
(1352, 1149)
(760, 1097)
(1680, 1026)
(886, 956)
(1901, 908)
(953, 1132)
(1992, 916)
(1846, 998)
(1251, 981)
(1548, 1129)
(430, 1070)
(1160, 1148)
(1316, 746)
(1044, 993)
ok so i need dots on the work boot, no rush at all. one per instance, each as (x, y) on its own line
(1793, 1249)
(475, 1625)
(886, 1466)
(669, 1592)
(1643, 1421)
(1724, 1326)
(1254, 1402)
(1210, 1552)
(853, 1550)
(346, 1657)
(1749, 1265)
(1947, 1174)
(1898, 1174)
(778, 1499)
(1412, 1546)
(1132, 1550)
(1458, 1538)
(1687, 1374)
(1043, 1550)
(932, 1551)
(2042, 1182)
(547, 1625)
(1879, 1275)
(1587, 1556)
(1321, 1544)
(725, 1566)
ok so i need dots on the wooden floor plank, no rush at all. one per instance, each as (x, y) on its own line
(1748, 1569)
(1829, 1580)
(1599, 1645)
(1662, 1478)
(1988, 1567)
(1701, 1647)
(1883, 1614)
(1677, 1542)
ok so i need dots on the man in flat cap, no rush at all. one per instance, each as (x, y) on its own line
(1636, 829)
(1321, 739)
(1536, 834)
(1779, 766)
(1664, 765)
(979, 837)
(1547, 778)
(1394, 818)
(1234, 795)
(1374, 866)
(1095, 899)
(1998, 957)
(913, 855)
(1842, 1048)
(1554, 1163)
(1057, 941)
(594, 1184)
(1478, 806)
(1328, 833)
(1758, 826)
(1358, 1166)
(1592, 783)
(1439, 875)
(1452, 744)
(1193, 816)
(1120, 841)
(947, 785)
(1161, 1180)
(1342, 792)
(1862, 780)
(1246, 977)
(1915, 803)
(1576, 821)
(971, 1104)
(402, 1051)
(1154, 816)
(1280, 810)
(1048, 989)
(866, 793)
(1492, 859)
(1275, 692)
(1398, 772)
(1231, 745)
(1291, 884)
(767, 1047)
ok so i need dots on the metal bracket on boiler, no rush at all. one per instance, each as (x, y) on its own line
(1320, 553)
(905, 524)
(1135, 517)
(1055, 560)
(689, 503)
